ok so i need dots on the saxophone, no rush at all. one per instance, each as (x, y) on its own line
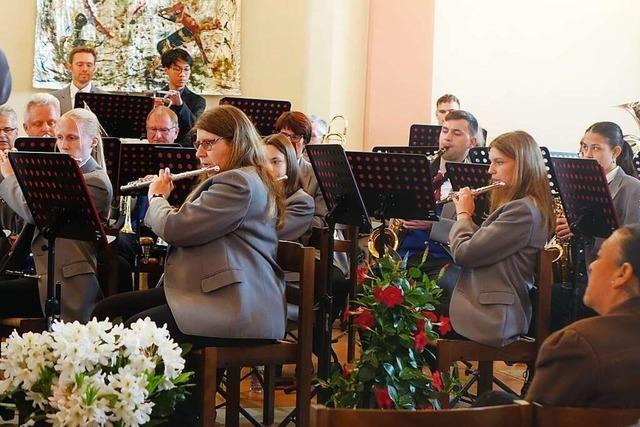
(563, 261)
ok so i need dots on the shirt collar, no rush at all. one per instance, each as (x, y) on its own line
(612, 174)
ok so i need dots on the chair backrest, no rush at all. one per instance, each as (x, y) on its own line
(300, 259)
(544, 281)
(320, 240)
(584, 417)
(520, 414)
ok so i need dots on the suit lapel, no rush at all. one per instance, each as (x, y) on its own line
(616, 183)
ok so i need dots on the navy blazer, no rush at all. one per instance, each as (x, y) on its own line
(192, 107)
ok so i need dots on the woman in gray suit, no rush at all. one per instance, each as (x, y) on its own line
(284, 168)
(78, 135)
(221, 279)
(490, 302)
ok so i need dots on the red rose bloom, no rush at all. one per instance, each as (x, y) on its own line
(445, 325)
(391, 296)
(382, 398)
(361, 274)
(437, 380)
(420, 324)
(365, 319)
(345, 371)
(430, 315)
(421, 341)
(377, 293)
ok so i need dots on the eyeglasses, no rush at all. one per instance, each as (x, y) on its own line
(160, 130)
(7, 130)
(180, 70)
(206, 144)
(292, 136)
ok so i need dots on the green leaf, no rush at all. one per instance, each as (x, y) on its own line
(366, 373)
(388, 368)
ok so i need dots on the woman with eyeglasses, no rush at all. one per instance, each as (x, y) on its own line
(78, 135)
(299, 205)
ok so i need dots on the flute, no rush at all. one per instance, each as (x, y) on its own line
(145, 182)
(474, 192)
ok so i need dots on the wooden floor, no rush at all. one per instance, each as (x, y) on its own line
(512, 376)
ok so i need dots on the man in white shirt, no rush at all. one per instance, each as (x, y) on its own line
(82, 66)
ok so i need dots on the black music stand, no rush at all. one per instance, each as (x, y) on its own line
(59, 200)
(178, 159)
(394, 186)
(479, 155)
(262, 112)
(636, 162)
(137, 160)
(416, 149)
(588, 207)
(41, 144)
(426, 135)
(122, 116)
(345, 206)
(111, 148)
(472, 175)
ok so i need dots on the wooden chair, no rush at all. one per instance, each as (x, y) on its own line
(519, 414)
(291, 257)
(320, 240)
(545, 416)
(522, 350)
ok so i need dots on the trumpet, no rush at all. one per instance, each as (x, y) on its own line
(145, 182)
(435, 156)
(475, 192)
(333, 134)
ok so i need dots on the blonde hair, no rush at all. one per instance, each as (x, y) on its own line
(89, 126)
(247, 149)
(529, 177)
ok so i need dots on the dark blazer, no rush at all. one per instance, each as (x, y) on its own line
(221, 276)
(490, 303)
(299, 213)
(592, 363)
(76, 265)
(192, 106)
(625, 192)
(64, 96)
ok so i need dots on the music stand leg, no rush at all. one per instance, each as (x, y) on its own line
(326, 307)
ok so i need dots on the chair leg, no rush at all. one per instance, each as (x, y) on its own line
(232, 412)
(209, 362)
(304, 373)
(485, 382)
(268, 389)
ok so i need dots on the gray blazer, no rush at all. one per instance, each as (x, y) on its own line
(76, 265)
(221, 277)
(592, 363)
(299, 215)
(64, 96)
(625, 192)
(441, 229)
(490, 303)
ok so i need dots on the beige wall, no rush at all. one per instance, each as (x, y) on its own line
(548, 67)
(311, 52)
(399, 70)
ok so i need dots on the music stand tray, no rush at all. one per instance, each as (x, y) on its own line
(262, 112)
(41, 144)
(122, 116)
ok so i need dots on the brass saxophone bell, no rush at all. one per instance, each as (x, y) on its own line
(390, 234)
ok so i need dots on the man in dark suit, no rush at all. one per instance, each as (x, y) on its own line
(594, 362)
(82, 66)
(186, 104)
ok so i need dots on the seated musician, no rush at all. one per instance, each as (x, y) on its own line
(603, 141)
(78, 135)
(284, 168)
(8, 134)
(162, 126)
(457, 136)
(594, 362)
(490, 302)
(41, 114)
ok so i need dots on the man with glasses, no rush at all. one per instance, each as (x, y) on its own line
(82, 66)
(162, 126)
(187, 105)
(8, 127)
(41, 114)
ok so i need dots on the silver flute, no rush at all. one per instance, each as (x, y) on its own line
(145, 182)
(474, 192)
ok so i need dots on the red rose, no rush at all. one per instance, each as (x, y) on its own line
(382, 398)
(377, 293)
(445, 325)
(365, 319)
(421, 341)
(420, 324)
(345, 371)
(391, 296)
(437, 380)
(430, 315)
(361, 274)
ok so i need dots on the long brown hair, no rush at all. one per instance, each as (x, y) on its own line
(293, 182)
(247, 149)
(529, 177)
